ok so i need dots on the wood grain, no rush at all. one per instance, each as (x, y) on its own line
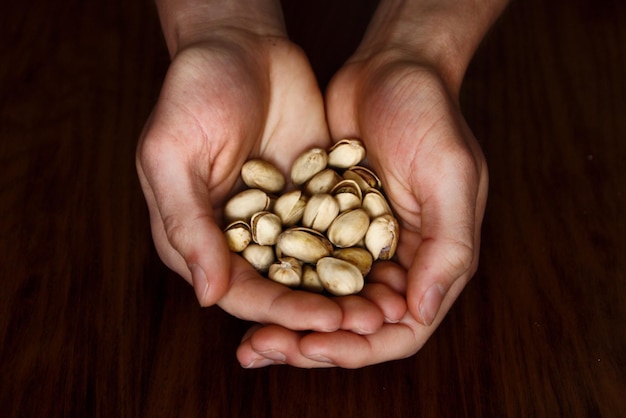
(92, 324)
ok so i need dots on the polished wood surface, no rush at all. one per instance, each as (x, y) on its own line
(92, 324)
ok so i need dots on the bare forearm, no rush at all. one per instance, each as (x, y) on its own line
(443, 34)
(187, 21)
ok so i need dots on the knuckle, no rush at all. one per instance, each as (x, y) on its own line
(175, 232)
(149, 151)
(154, 151)
(460, 259)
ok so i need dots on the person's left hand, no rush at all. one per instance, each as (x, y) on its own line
(435, 176)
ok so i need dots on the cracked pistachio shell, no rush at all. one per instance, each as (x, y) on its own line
(287, 271)
(375, 203)
(290, 207)
(382, 237)
(364, 177)
(238, 236)
(311, 280)
(348, 195)
(308, 164)
(260, 174)
(320, 211)
(346, 153)
(265, 227)
(261, 257)
(339, 277)
(322, 182)
(348, 228)
(360, 257)
(305, 244)
(245, 204)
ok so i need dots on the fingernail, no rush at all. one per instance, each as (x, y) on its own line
(200, 282)
(320, 358)
(362, 331)
(273, 355)
(431, 302)
(257, 363)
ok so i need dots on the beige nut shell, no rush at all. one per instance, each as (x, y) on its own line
(261, 174)
(339, 277)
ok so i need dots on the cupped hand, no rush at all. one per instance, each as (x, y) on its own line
(228, 98)
(436, 178)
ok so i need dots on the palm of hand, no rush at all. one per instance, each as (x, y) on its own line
(222, 104)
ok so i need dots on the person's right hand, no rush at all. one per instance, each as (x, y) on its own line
(399, 93)
(229, 97)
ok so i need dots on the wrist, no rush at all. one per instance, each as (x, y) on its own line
(185, 22)
(441, 35)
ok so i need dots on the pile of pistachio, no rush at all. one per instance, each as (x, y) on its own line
(323, 235)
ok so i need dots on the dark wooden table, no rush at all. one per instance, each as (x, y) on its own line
(92, 324)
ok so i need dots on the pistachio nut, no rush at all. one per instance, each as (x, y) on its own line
(265, 227)
(364, 177)
(346, 153)
(287, 271)
(360, 257)
(238, 236)
(320, 211)
(382, 236)
(260, 174)
(375, 203)
(260, 257)
(308, 164)
(305, 244)
(348, 195)
(348, 228)
(311, 280)
(338, 220)
(339, 277)
(290, 207)
(245, 204)
(322, 182)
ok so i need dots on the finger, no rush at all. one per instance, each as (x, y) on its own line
(186, 235)
(273, 344)
(349, 350)
(255, 298)
(249, 358)
(360, 315)
(339, 100)
(277, 345)
(386, 288)
(450, 229)
(389, 273)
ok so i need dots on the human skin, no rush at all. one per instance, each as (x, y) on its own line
(238, 89)
(399, 93)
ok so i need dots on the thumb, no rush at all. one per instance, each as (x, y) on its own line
(185, 233)
(448, 254)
